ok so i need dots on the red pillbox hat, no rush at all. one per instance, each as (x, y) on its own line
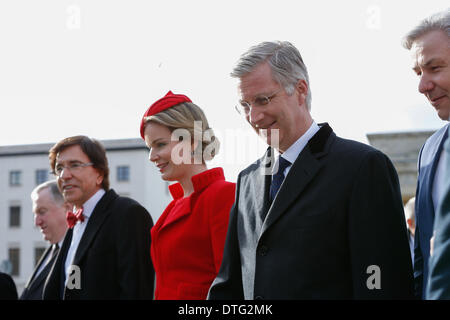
(166, 102)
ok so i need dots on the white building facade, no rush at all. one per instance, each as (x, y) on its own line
(23, 167)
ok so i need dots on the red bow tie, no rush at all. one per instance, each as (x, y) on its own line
(72, 218)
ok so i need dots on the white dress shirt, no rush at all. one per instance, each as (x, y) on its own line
(78, 229)
(294, 150)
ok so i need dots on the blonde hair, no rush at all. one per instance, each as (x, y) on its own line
(188, 115)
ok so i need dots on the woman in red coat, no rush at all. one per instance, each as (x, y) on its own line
(188, 238)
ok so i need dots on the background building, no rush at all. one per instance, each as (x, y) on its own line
(403, 150)
(23, 167)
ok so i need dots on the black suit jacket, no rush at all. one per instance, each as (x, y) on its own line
(35, 285)
(337, 214)
(8, 290)
(113, 255)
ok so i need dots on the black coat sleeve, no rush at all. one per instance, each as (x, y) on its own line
(228, 283)
(8, 290)
(135, 268)
(380, 256)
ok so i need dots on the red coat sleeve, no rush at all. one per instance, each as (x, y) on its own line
(220, 205)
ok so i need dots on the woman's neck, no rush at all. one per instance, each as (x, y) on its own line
(186, 181)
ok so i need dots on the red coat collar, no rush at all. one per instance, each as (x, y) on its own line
(185, 206)
(199, 181)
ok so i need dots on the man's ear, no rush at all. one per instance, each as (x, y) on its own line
(100, 177)
(302, 91)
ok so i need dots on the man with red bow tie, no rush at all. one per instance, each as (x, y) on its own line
(105, 253)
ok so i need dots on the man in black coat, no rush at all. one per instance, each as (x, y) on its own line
(106, 251)
(49, 210)
(317, 217)
(8, 290)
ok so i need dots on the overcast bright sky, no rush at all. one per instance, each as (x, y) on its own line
(93, 67)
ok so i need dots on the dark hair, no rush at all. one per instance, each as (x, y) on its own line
(91, 147)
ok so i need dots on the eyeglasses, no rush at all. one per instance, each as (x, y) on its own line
(72, 167)
(244, 107)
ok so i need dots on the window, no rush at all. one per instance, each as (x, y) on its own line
(15, 178)
(38, 252)
(14, 258)
(14, 216)
(41, 176)
(123, 173)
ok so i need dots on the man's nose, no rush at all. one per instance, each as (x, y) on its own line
(65, 173)
(425, 84)
(37, 220)
(255, 116)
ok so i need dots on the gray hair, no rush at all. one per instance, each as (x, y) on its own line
(54, 191)
(409, 209)
(284, 60)
(437, 21)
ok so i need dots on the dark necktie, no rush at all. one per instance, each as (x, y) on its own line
(72, 218)
(278, 177)
(54, 251)
(47, 263)
(53, 254)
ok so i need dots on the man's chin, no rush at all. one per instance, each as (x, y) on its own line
(444, 115)
(69, 196)
(271, 137)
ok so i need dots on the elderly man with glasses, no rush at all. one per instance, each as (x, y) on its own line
(106, 251)
(326, 220)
